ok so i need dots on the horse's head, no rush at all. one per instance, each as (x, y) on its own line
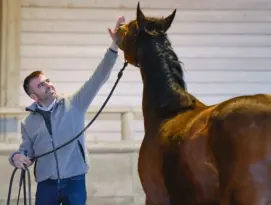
(128, 35)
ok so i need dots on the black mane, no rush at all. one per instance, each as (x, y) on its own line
(168, 59)
(173, 63)
(162, 73)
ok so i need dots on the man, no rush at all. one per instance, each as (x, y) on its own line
(54, 120)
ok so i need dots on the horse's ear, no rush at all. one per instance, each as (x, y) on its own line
(168, 20)
(140, 18)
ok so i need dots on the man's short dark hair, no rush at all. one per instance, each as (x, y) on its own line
(28, 78)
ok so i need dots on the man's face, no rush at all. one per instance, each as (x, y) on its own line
(42, 89)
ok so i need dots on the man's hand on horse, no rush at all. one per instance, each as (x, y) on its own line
(111, 32)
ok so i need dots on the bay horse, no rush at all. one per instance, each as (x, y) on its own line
(192, 153)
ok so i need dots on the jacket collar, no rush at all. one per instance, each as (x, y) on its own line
(33, 107)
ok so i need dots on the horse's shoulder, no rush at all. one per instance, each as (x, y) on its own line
(186, 125)
(198, 125)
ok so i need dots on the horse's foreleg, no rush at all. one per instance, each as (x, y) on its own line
(246, 191)
(149, 202)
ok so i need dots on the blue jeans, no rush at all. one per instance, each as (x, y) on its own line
(71, 191)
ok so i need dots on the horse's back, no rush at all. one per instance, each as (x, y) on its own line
(240, 139)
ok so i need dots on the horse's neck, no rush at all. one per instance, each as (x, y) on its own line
(162, 93)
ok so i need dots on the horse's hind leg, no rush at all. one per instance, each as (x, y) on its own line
(243, 179)
(246, 188)
(240, 141)
(244, 174)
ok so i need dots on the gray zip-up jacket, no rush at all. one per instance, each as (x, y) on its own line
(67, 120)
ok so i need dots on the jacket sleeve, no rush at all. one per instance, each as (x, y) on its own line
(84, 96)
(26, 146)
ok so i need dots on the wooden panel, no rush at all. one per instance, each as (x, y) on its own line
(109, 130)
(106, 127)
(29, 38)
(63, 37)
(122, 88)
(108, 124)
(139, 136)
(139, 130)
(98, 101)
(135, 89)
(184, 51)
(185, 4)
(103, 136)
(79, 64)
(176, 28)
(136, 100)
(138, 125)
(29, 63)
(191, 76)
(34, 13)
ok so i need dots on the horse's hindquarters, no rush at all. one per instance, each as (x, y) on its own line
(240, 139)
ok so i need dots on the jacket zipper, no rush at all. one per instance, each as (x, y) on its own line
(57, 167)
(57, 164)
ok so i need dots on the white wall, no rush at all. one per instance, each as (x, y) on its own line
(225, 46)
